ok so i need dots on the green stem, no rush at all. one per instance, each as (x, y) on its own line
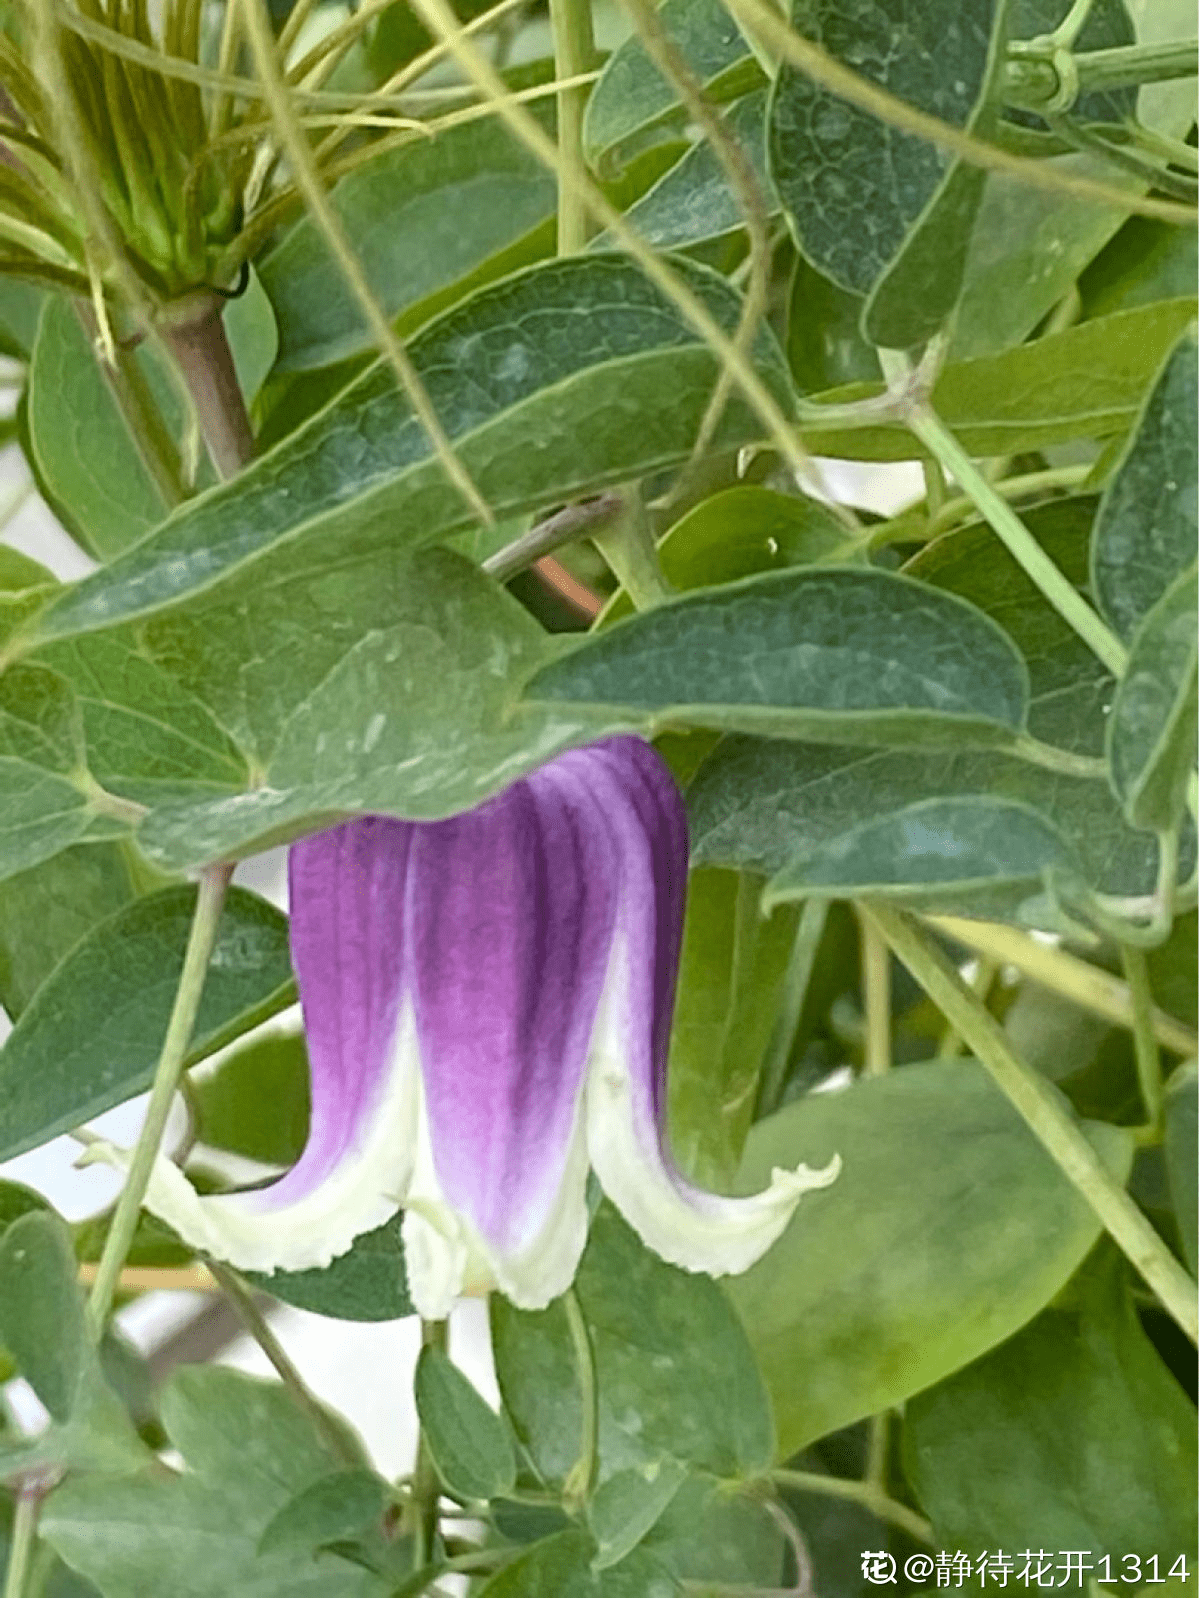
(582, 1476)
(950, 1045)
(201, 939)
(426, 1487)
(1145, 1044)
(1033, 81)
(1016, 537)
(23, 1541)
(627, 544)
(1044, 1113)
(1065, 974)
(872, 1498)
(574, 53)
(877, 996)
(809, 932)
(566, 525)
(255, 1322)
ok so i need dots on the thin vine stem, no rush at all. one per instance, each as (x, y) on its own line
(1064, 973)
(1044, 1113)
(574, 52)
(426, 1486)
(582, 1476)
(877, 997)
(1145, 1044)
(257, 1325)
(22, 1541)
(866, 1493)
(201, 940)
(308, 181)
(627, 544)
(1066, 599)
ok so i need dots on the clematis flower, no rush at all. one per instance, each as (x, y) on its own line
(487, 1003)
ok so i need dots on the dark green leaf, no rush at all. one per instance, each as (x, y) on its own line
(20, 308)
(1086, 382)
(84, 450)
(948, 1228)
(1145, 532)
(871, 207)
(559, 1565)
(632, 94)
(252, 334)
(1173, 969)
(569, 362)
(1072, 1435)
(627, 1506)
(256, 1102)
(365, 1284)
(250, 1451)
(1146, 261)
(423, 216)
(693, 201)
(1152, 728)
(467, 1441)
(674, 1371)
(92, 1034)
(1180, 1148)
(45, 911)
(838, 654)
(730, 981)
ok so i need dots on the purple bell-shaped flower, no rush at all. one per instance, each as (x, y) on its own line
(488, 1002)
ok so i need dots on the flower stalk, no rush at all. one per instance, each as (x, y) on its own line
(201, 940)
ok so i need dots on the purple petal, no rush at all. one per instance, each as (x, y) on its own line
(511, 916)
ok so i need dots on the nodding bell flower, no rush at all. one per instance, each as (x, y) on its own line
(487, 1002)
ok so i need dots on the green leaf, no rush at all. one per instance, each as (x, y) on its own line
(41, 1312)
(92, 1034)
(256, 1102)
(839, 654)
(45, 911)
(741, 531)
(1087, 382)
(871, 207)
(825, 345)
(1173, 969)
(147, 738)
(42, 1326)
(365, 1284)
(1180, 1149)
(44, 805)
(18, 571)
(730, 982)
(631, 93)
(423, 216)
(253, 337)
(335, 1508)
(948, 1228)
(1146, 261)
(1072, 1435)
(569, 363)
(972, 832)
(20, 308)
(468, 1442)
(628, 1505)
(693, 201)
(379, 684)
(1145, 532)
(1152, 728)
(83, 448)
(249, 1452)
(674, 1371)
(559, 1565)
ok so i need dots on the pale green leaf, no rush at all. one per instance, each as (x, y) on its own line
(467, 1441)
(948, 1228)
